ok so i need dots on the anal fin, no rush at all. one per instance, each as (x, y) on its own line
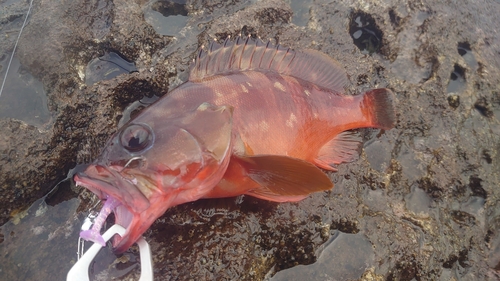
(283, 178)
(345, 147)
(266, 194)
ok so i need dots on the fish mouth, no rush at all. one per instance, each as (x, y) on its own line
(108, 183)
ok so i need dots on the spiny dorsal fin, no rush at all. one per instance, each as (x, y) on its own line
(248, 54)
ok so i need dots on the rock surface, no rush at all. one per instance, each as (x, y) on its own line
(425, 195)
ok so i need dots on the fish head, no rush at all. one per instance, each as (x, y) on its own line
(153, 163)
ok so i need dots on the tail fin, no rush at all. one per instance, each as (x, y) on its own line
(381, 105)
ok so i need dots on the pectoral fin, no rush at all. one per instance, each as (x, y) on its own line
(283, 178)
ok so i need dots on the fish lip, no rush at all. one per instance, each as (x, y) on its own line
(82, 181)
(125, 212)
(104, 181)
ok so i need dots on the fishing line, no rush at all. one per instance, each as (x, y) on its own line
(15, 46)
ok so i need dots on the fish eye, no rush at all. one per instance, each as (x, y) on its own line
(136, 137)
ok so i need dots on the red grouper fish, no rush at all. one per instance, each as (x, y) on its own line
(253, 118)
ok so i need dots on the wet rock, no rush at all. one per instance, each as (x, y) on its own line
(29, 165)
(35, 158)
(358, 255)
(424, 194)
(12, 16)
(483, 107)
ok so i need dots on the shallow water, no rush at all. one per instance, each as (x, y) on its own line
(41, 243)
(38, 243)
(107, 67)
(342, 257)
(166, 17)
(23, 96)
(301, 11)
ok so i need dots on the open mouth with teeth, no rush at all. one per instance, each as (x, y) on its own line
(123, 198)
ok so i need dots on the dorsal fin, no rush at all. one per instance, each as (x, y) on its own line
(248, 54)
